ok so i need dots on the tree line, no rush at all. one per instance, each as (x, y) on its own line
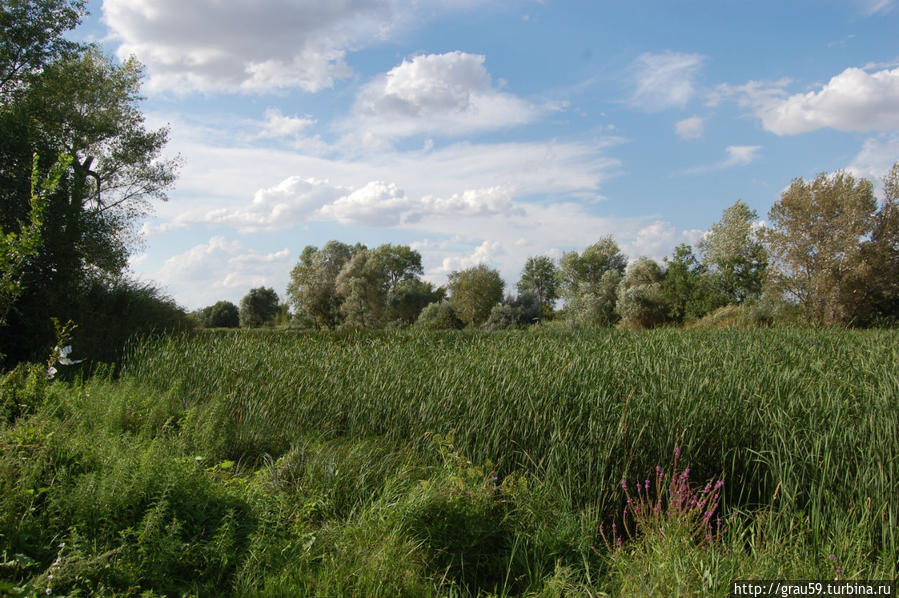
(79, 169)
(828, 254)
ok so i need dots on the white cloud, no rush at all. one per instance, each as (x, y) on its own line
(376, 204)
(875, 160)
(251, 46)
(657, 240)
(690, 128)
(854, 100)
(485, 253)
(222, 269)
(450, 94)
(664, 80)
(740, 155)
(737, 155)
(277, 124)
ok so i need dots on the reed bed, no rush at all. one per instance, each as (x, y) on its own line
(802, 426)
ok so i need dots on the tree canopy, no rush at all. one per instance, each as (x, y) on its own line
(59, 98)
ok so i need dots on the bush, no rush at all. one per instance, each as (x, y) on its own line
(223, 314)
(259, 307)
(438, 316)
(111, 313)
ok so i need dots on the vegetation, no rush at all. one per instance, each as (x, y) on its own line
(68, 118)
(578, 458)
(223, 314)
(460, 463)
(258, 308)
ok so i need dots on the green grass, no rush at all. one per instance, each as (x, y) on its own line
(287, 463)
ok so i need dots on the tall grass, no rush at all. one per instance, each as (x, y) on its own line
(801, 425)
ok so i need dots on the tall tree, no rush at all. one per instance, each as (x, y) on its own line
(687, 287)
(474, 292)
(641, 302)
(258, 307)
(876, 287)
(732, 251)
(56, 98)
(814, 238)
(588, 282)
(313, 282)
(539, 277)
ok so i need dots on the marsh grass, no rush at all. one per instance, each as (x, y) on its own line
(397, 463)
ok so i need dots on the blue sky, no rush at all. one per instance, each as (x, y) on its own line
(481, 131)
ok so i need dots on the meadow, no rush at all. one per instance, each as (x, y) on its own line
(527, 463)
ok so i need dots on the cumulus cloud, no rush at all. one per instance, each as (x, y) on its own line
(277, 124)
(376, 204)
(657, 240)
(854, 100)
(251, 46)
(664, 80)
(875, 160)
(219, 269)
(737, 155)
(449, 94)
(485, 253)
(690, 128)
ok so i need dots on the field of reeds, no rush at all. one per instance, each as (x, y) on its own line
(397, 463)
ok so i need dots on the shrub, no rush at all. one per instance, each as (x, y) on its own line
(438, 316)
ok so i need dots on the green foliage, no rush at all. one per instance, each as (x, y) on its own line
(258, 308)
(539, 277)
(110, 313)
(641, 300)
(208, 467)
(589, 283)
(688, 288)
(814, 237)
(59, 98)
(223, 314)
(19, 249)
(439, 315)
(474, 292)
(31, 36)
(732, 252)
(515, 312)
(312, 287)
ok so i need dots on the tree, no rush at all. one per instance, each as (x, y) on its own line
(589, 282)
(814, 237)
(877, 284)
(687, 287)
(539, 277)
(410, 297)
(439, 315)
(515, 312)
(17, 249)
(313, 282)
(223, 314)
(375, 281)
(32, 36)
(473, 293)
(585, 270)
(641, 302)
(734, 255)
(258, 307)
(56, 98)
(594, 304)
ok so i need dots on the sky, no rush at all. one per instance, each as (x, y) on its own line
(479, 131)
